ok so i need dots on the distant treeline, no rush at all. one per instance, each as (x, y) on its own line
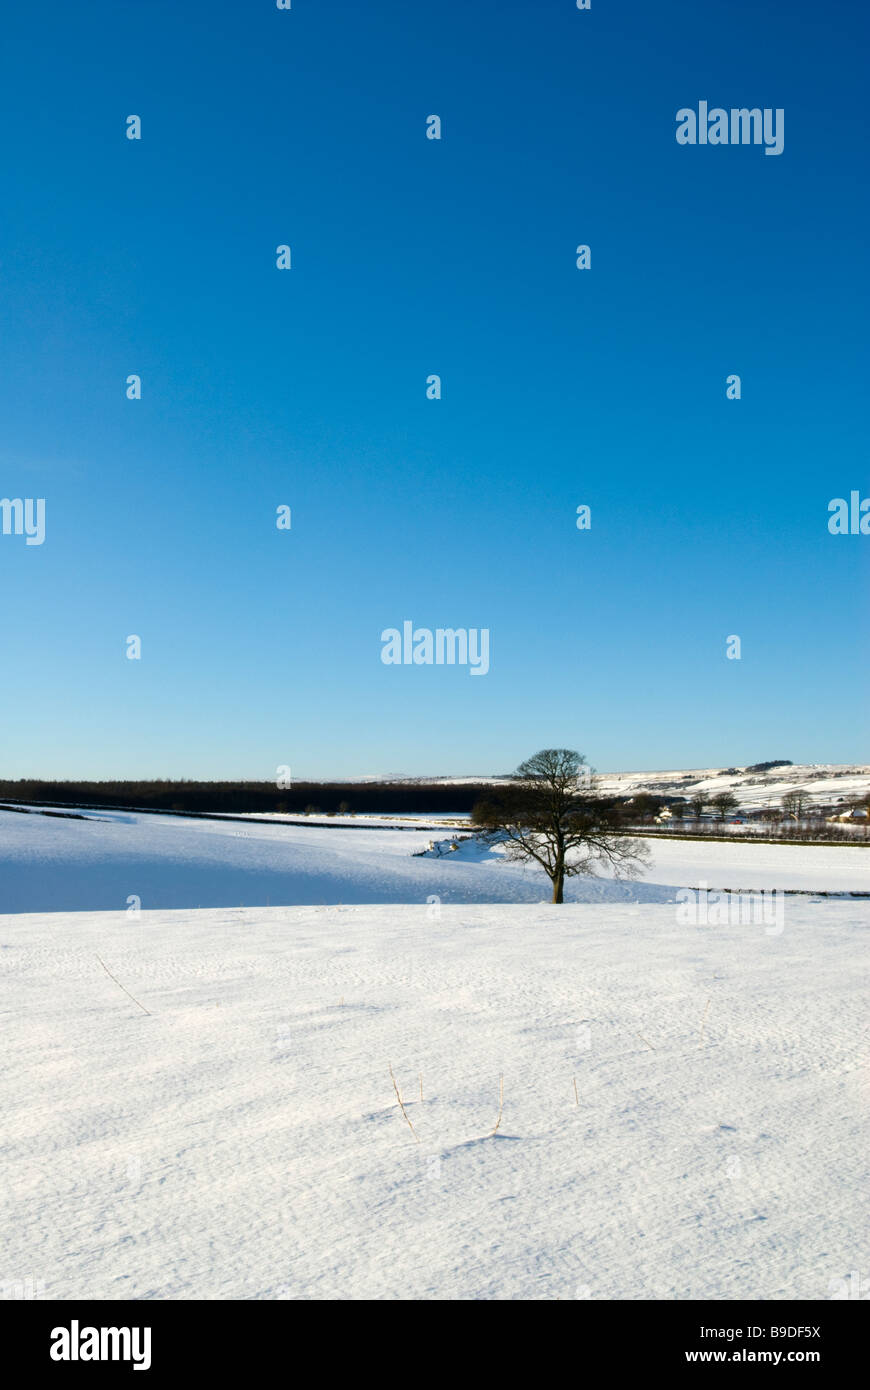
(395, 798)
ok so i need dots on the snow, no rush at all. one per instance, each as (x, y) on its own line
(242, 1138)
(197, 1097)
(741, 864)
(50, 864)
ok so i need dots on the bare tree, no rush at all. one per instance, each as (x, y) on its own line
(795, 803)
(549, 813)
(697, 803)
(724, 804)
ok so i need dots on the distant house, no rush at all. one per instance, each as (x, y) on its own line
(857, 813)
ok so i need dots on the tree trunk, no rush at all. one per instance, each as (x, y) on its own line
(559, 884)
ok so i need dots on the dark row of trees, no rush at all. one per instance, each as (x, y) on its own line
(396, 798)
(645, 805)
(795, 803)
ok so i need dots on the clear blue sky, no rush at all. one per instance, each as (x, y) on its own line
(307, 387)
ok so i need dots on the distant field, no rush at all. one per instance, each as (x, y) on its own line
(52, 865)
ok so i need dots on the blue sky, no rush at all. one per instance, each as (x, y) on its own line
(307, 387)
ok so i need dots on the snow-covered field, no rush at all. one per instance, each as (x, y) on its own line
(242, 1139)
(198, 1103)
(53, 865)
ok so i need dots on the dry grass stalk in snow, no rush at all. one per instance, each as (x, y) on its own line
(123, 987)
(401, 1104)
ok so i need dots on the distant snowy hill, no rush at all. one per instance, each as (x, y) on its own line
(823, 783)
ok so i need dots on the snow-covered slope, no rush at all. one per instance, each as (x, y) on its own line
(49, 864)
(242, 1139)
